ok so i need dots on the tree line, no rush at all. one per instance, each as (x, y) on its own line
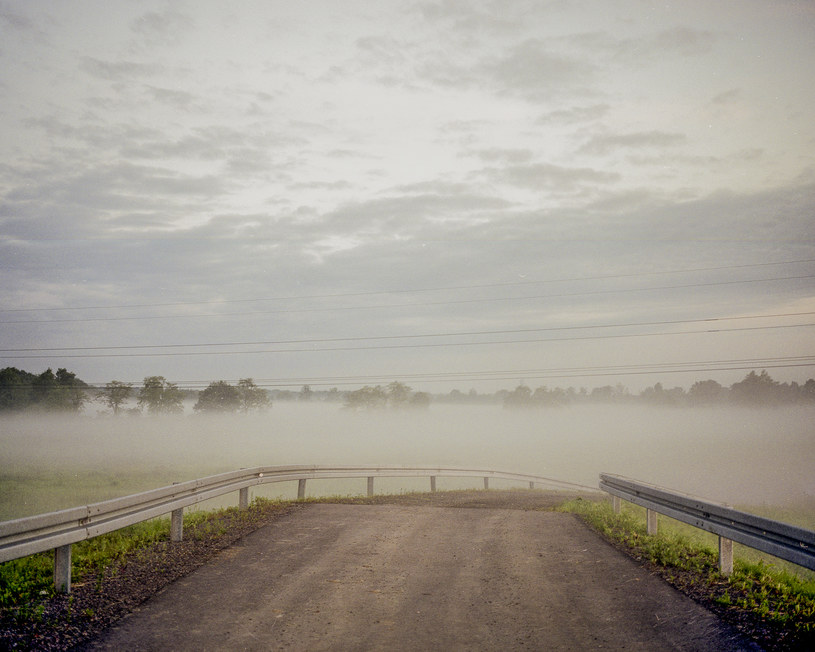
(63, 391)
(754, 389)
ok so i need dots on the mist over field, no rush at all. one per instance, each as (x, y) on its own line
(727, 454)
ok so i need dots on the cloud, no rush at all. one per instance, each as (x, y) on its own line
(15, 20)
(118, 71)
(162, 27)
(174, 97)
(608, 143)
(468, 17)
(547, 176)
(726, 97)
(575, 114)
(505, 155)
(533, 69)
(680, 41)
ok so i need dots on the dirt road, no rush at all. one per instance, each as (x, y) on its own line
(371, 577)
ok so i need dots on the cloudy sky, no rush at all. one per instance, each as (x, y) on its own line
(453, 194)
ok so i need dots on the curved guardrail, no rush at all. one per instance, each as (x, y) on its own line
(782, 540)
(58, 530)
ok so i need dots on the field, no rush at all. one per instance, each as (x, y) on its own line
(756, 459)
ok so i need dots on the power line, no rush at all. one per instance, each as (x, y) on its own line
(411, 336)
(404, 346)
(407, 305)
(673, 367)
(704, 366)
(417, 290)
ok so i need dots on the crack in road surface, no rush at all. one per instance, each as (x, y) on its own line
(375, 577)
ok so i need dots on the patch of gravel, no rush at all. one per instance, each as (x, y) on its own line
(525, 499)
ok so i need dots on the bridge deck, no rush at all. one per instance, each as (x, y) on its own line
(362, 577)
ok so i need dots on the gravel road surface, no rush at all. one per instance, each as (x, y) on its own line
(396, 577)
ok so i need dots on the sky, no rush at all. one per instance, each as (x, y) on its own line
(451, 194)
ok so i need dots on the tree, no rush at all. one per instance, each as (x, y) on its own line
(305, 393)
(160, 397)
(398, 394)
(60, 391)
(420, 400)
(755, 389)
(219, 396)
(252, 397)
(115, 394)
(15, 388)
(521, 396)
(706, 391)
(366, 397)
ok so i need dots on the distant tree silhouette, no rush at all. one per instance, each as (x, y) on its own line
(115, 394)
(219, 396)
(251, 396)
(160, 396)
(755, 389)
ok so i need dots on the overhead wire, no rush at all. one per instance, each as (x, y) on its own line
(404, 346)
(526, 373)
(419, 290)
(515, 331)
(405, 305)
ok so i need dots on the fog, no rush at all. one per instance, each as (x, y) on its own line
(737, 456)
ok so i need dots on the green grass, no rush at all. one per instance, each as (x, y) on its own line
(771, 591)
(30, 580)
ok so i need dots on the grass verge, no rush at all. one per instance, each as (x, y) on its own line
(763, 599)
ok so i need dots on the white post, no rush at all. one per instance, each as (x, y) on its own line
(725, 556)
(62, 569)
(177, 524)
(301, 489)
(616, 503)
(651, 518)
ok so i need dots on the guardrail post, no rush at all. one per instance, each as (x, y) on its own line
(486, 483)
(243, 498)
(177, 524)
(651, 518)
(432, 483)
(725, 556)
(301, 489)
(62, 569)
(531, 485)
(370, 485)
(616, 504)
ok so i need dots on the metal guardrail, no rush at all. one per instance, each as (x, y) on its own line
(58, 530)
(782, 540)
